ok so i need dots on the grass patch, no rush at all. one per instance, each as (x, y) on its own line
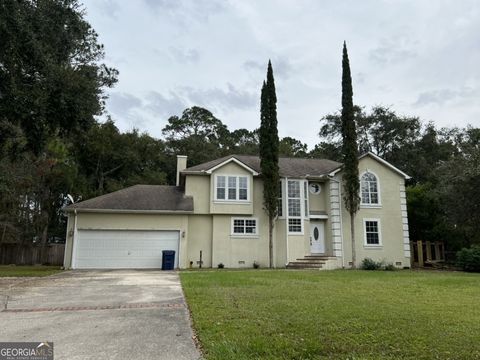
(335, 314)
(23, 271)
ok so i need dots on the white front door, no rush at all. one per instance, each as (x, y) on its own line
(317, 237)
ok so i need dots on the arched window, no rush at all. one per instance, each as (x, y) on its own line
(369, 188)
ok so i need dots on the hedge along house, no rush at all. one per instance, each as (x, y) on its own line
(216, 209)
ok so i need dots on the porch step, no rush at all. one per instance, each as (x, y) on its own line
(304, 265)
(315, 261)
(317, 257)
(308, 262)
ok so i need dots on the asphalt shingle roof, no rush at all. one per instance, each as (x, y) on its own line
(140, 197)
(290, 167)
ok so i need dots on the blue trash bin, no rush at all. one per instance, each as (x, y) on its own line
(168, 259)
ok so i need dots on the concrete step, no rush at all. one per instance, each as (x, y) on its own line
(312, 259)
(304, 266)
(319, 257)
(309, 261)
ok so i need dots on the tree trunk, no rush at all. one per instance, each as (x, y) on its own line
(44, 239)
(3, 234)
(270, 241)
(352, 234)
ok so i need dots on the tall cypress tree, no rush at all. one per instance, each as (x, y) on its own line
(351, 183)
(269, 145)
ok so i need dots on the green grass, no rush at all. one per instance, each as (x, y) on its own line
(9, 270)
(340, 314)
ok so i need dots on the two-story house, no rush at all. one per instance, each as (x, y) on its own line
(214, 215)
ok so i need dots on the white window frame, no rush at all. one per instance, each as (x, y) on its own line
(302, 206)
(314, 192)
(370, 205)
(249, 235)
(237, 187)
(295, 232)
(306, 202)
(282, 198)
(379, 226)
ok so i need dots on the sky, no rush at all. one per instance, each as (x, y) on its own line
(420, 58)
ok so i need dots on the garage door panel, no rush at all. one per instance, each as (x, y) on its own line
(115, 249)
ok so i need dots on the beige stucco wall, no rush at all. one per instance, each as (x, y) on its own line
(298, 245)
(389, 214)
(198, 186)
(231, 250)
(200, 234)
(241, 251)
(280, 245)
(318, 202)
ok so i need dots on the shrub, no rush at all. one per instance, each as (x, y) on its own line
(256, 265)
(390, 267)
(469, 259)
(221, 266)
(369, 264)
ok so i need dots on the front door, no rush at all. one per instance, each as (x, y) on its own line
(317, 237)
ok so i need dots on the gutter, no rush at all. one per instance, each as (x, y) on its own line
(126, 211)
(286, 219)
(200, 172)
(316, 177)
(74, 242)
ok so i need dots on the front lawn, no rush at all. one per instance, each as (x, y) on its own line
(22, 271)
(340, 314)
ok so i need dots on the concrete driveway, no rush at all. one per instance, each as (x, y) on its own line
(118, 314)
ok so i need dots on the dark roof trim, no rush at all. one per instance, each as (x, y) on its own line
(288, 166)
(127, 211)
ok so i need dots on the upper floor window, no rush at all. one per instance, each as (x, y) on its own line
(294, 208)
(369, 189)
(280, 200)
(231, 188)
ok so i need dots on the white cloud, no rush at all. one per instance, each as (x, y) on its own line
(417, 56)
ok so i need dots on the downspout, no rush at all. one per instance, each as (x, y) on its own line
(65, 248)
(274, 241)
(341, 217)
(74, 239)
(285, 199)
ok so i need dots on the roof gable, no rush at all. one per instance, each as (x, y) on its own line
(380, 160)
(236, 161)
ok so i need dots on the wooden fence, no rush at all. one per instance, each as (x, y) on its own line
(427, 253)
(31, 255)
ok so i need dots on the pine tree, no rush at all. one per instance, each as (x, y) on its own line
(269, 145)
(351, 183)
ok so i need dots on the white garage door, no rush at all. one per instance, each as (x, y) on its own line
(121, 249)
